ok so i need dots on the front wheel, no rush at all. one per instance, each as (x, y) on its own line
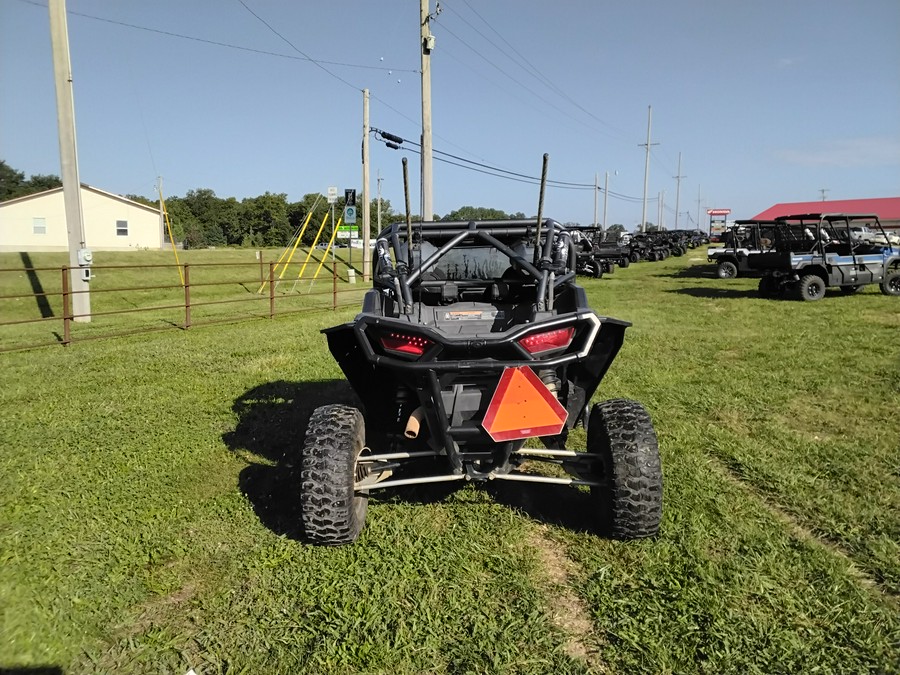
(331, 511)
(624, 263)
(810, 287)
(890, 285)
(635, 257)
(621, 433)
(726, 270)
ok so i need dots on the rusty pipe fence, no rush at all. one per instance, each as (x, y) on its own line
(193, 295)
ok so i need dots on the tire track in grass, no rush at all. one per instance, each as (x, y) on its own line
(567, 611)
(733, 475)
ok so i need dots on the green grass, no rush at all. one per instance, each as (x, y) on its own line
(147, 526)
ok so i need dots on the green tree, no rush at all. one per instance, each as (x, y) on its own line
(266, 217)
(13, 183)
(618, 227)
(185, 226)
(475, 213)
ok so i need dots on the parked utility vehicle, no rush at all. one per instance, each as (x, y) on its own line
(475, 339)
(743, 240)
(815, 251)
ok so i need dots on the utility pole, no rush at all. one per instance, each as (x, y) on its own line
(426, 44)
(646, 169)
(378, 180)
(366, 212)
(824, 191)
(605, 200)
(596, 190)
(79, 257)
(678, 190)
(698, 205)
(660, 198)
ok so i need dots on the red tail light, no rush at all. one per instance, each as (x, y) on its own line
(402, 343)
(538, 343)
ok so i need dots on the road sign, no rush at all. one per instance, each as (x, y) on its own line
(718, 212)
(332, 195)
(350, 215)
(347, 234)
(350, 197)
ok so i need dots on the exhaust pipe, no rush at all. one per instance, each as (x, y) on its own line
(414, 423)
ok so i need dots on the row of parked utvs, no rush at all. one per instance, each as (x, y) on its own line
(474, 340)
(599, 252)
(800, 256)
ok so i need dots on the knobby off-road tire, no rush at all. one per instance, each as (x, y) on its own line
(621, 432)
(624, 263)
(635, 257)
(890, 285)
(810, 287)
(768, 287)
(726, 270)
(331, 512)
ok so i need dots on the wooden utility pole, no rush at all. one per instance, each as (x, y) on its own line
(366, 210)
(68, 159)
(646, 169)
(426, 44)
(678, 190)
(605, 199)
(596, 190)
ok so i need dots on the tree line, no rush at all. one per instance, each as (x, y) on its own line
(201, 218)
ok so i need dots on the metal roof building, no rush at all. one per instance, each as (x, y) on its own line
(886, 208)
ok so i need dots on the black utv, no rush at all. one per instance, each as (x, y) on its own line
(743, 240)
(815, 251)
(474, 340)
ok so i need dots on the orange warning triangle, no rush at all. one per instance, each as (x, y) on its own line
(522, 407)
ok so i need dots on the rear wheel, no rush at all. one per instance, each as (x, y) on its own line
(331, 511)
(768, 287)
(726, 270)
(624, 262)
(890, 285)
(810, 287)
(621, 433)
(635, 256)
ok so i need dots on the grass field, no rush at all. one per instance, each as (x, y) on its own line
(148, 525)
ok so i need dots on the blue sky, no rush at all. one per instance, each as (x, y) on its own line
(767, 102)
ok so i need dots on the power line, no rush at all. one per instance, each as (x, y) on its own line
(497, 172)
(531, 68)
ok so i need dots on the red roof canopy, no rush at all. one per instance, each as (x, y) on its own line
(886, 208)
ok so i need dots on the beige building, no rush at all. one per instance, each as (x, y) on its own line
(111, 223)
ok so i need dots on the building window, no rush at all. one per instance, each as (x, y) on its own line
(39, 226)
(121, 228)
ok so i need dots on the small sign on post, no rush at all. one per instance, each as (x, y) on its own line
(350, 215)
(332, 195)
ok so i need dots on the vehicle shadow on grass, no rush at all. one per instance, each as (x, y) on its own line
(703, 292)
(271, 426)
(271, 429)
(558, 505)
(707, 271)
(272, 421)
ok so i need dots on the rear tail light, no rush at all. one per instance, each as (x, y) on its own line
(551, 340)
(404, 343)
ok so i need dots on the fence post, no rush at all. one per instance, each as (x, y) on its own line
(187, 296)
(67, 307)
(271, 290)
(334, 284)
(259, 256)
